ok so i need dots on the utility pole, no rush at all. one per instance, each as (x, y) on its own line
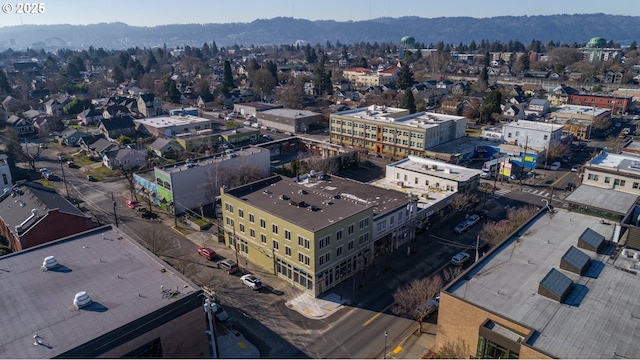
(210, 307)
(524, 156)
(64, 180)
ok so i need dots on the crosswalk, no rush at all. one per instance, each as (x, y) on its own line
(540, 192)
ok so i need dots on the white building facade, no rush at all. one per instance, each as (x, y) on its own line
(531, 134)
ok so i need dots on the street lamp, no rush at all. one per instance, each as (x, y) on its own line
(386, 334)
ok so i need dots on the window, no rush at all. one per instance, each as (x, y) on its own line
(274, 228)
(339, 251)
(636, 185)
(619, 182)
(324, 242)
(287, 234)
(263, 224)
(263, 238)
(339, 235)
(252, 233)
(242, 228)
(350, 245)
(252, 219)
(287, 250)
(546, 137)
(364, 223)
(303, 258)
(350, 229)
(275, 245)
(593, 177)
(607, 179)
(240, 213)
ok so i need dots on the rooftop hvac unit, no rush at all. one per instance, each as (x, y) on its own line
(49, 262)
(81, 300)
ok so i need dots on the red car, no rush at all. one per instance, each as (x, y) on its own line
(209, 254)
(132, 204)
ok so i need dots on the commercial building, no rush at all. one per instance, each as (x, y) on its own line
(393, 131)
(31, 214)
(291, 120)
(616, 104)
(5, 172)
(252, 109)
(531, 134)
(620, 172)
(165, 126)
(316, 232)
(364, 77)
(98, 294)
(556, 289)
(189, 185)
(577, 119)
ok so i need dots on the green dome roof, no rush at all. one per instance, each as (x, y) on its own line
(408, 40)
(597, 42)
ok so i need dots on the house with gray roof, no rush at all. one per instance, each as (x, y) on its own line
(32, 214)
(70, 137)
(98, 294)
(114, 127)
(125, 158)
(163, 146)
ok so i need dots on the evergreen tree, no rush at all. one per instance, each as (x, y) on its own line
(405, 78)
(5, 87)
(633, 46)
(408, 101)
(172, 92)
(151, 61)
(227, 79)
(214, 49)
(363, 62)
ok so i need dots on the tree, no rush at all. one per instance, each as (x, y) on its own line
(5, 86)
(77, 106)
(173, 94)
(322, 79)
(492, 105)
(461, 201)
(117, 74)
(408, 101)
(602, 123)
(230, 125)
(290, 94)
(557, 150)
(151, 62)
(227, 79)
(263, 81)
(413, 300)
(458, 349)
(405, 78)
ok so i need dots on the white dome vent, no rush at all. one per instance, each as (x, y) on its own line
(81, 300)
(49, 263)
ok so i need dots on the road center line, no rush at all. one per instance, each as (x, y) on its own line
(377, 315)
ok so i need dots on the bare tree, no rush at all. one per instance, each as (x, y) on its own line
(461, 201)
(413, 299)
(602, 123)
(458, 349)
(157, 241)
(557, 150)
(186, 265)
(495, 232)
(438, 63)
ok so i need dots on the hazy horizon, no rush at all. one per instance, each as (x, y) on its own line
(150, 13)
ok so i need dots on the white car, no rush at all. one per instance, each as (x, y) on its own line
(574, 168)
(460, 258)
(555, 166)
(462, 227)
(251, 281)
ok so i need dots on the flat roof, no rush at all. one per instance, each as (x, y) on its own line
(599, 198)
(598, 319)
(170, 121)
(533, 125)
(436, 168)
(465, 144)
(390, 115)
(329, 200)
(123, 279)
(209, 160)
(290, 113)
(617, 162)
(579, 110)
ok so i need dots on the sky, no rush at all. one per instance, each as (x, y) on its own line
(159, 12)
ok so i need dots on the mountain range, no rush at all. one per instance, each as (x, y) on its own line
(567, 29)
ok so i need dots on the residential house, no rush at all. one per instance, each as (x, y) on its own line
(513, 112)
(114, 111)
(32, 214)
(55, 105)
(149, 105)
(22, 126)
(101, 146)
(70, 137)
(113, 128)
(89, 117)
(163, 146)
(560, 95)
(10, 104)
(125, 158)
(538, 107)
(206, 101)
(113, 299)
(87, 141)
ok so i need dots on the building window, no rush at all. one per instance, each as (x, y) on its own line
(287, 250)
(636, 185)
(619, 182)
(488, 349)
(323, 242)
(275, 245)
(274, 229)
(593, 177)
(252, 219)
(263, 238)
(244, 247)
(350, 229)
(263, 224)
(287, 234)
(350, 245)
(339, 235)
(339, 251)
(241, 228)
(364, 223)
(546, 137)
(252, 233)
(240, 213)
(607, 179)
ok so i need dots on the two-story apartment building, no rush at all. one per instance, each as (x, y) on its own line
(531, 134)
(188, 185)
(620, 172)
(617, 104)
(314, 233)
(166, 126)
(393, 131)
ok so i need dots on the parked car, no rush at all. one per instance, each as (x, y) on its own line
(251, 281)
(485, 175)
(555, 166)
(207, 253)
(462, 227)
(574, 168)
(473, 219)
(427, 308)
(132, 204)
(460, 258)
(220, 313)
(91, 178)
(71, 164)
(228, 265)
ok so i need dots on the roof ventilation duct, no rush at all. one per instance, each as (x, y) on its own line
(81, 300)
(49, 263)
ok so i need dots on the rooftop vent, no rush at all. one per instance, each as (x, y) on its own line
(284, 197)
(81, 300)
(555, 286)
(575, 261)
(591, 240)
(49, 262)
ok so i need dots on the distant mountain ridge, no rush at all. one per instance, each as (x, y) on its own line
(283, 30)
